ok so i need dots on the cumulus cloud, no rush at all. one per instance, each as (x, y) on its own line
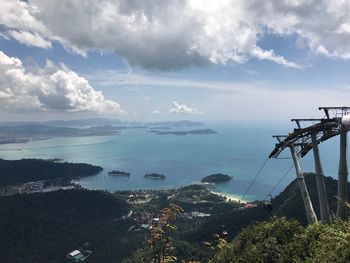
(182, 108)
(52, 88)
(174, 34)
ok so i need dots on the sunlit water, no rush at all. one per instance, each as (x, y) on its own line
(235, 150)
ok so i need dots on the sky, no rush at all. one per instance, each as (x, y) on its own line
(225, 60)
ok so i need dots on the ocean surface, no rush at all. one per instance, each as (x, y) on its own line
(237, 150)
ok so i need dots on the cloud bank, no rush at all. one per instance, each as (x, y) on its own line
(182, 108)
(52, 88)
(174, 34)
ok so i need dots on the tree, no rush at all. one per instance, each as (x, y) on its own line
(159, 247)
(283, 240)
(161, 241)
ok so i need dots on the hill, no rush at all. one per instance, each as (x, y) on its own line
(287, 204)
(189, 239)
(216, 178)
(283, 240)
(14, 172)
(46, 227)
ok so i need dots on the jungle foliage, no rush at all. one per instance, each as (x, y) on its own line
(286, 240)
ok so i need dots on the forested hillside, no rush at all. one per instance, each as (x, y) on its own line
(282, 240)
(14, 172)
(46, 227)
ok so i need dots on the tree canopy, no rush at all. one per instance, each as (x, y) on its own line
(286, 240)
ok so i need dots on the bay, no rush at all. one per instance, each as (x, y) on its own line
(238, 150)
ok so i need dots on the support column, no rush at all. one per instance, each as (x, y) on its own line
(310, 212)
(342, 211)
(320, 183)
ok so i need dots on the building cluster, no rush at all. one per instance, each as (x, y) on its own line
(144, 220)
(42, 187)
(194, 214)
(139, 197)
(80, 254)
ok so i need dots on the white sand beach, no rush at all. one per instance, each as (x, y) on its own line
(230, 197)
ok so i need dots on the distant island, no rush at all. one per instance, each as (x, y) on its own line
(22, 132)
(27, 132)
(90, 122)
(9, 139)
(118, 173)
(217, 178)
(191, 132)
(155, 176)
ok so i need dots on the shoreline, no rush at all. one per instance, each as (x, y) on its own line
(230, 197)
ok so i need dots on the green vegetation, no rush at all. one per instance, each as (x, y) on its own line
(217, 178)
(283, 240)
(46, 227)
(161, 240)
(165, 243)
(287, 204)
(14, 172)
(198, 205)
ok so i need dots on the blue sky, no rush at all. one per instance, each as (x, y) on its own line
(162, 60)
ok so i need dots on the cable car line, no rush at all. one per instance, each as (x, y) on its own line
(256, 176)
(280, 181)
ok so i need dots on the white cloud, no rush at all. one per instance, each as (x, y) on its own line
(22, 16)
(29, 39)
(156, 112)
(173, 34)
(182, 108)
(4, 36)
(226, 100)
(270, 55)
(52, 88)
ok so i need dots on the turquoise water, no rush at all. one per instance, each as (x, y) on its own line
(235, 150)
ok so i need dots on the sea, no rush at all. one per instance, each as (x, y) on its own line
(237, 149)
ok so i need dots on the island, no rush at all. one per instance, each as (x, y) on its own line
(23, 132)
(155, 176)
(191, 132)
(118, 173)
(217, 178)
(15, 172)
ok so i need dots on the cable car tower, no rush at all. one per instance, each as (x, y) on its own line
(305, 137)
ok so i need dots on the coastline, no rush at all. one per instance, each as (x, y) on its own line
(230, 197)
